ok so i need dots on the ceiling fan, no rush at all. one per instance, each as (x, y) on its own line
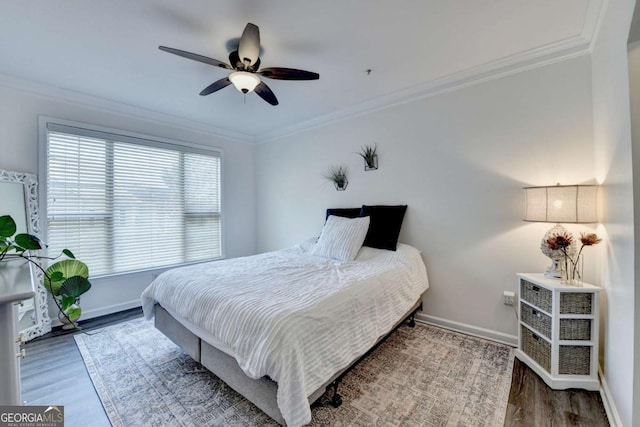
(245, 63)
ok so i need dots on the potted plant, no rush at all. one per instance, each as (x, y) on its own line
(66, 280)
(338, 175)
(370, 156)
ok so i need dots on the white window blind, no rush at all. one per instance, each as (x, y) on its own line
(123, 203)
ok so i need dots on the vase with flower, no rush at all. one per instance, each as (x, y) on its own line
(572, 268)
(586, 239)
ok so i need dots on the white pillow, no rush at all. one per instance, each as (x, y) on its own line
(341, 238)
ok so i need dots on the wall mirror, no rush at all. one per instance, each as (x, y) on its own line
(19, 198)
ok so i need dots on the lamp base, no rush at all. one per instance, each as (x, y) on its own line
(557, 268)
(554, 271)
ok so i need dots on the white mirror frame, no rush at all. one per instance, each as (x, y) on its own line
(41, 306)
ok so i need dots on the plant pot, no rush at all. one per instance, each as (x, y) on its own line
(66, 325)
(371, 164)
(341, 185)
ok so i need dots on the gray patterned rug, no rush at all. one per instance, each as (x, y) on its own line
(422, 376)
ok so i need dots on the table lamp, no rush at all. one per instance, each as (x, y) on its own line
(569, 204)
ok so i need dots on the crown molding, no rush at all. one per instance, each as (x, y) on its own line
(561, 50)
(555, 52)
(94, 102)
(593, 21)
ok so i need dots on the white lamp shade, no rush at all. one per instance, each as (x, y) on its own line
(244, 81)
(561, 203)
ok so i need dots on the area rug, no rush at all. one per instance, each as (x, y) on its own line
(421, 376)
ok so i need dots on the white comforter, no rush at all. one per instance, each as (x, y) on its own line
(292, 316)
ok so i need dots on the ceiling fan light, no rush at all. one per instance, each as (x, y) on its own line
(243, 81)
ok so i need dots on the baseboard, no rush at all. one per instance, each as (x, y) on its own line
(607, 401)
(90, 314)
(511, 340)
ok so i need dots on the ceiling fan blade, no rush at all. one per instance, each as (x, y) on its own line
(249, 47)
(265, 93)
(195, 57)
(279, 73)
(215, 86)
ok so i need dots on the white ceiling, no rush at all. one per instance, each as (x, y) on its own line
(109, 49)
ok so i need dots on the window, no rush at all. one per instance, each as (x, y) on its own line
(123, 203)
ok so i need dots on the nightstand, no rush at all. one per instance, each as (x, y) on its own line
(558, 331)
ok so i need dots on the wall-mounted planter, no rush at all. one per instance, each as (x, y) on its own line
(370, 156)
(341, 185)
(338, 175)
(371, 164)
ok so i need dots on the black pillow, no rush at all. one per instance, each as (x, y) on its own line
(344, 212)
(384, 226)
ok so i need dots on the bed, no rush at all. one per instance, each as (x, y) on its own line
(280, 327)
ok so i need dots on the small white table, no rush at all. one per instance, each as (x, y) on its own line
(15, 285)
(558, 331)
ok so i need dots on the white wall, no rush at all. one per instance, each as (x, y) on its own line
(19, 111)
(459, 160)
(634, 83)
(612, 145)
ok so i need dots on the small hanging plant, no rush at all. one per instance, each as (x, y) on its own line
(338, 175)
(370, 156)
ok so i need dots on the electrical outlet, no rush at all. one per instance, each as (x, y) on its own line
(508, 298)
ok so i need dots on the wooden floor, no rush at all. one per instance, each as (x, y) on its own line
(532, 403)
(53, 373)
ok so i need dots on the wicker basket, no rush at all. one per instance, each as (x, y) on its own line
(536, 295)
(575, 303)
(536, 348)
(574, 360)
(575, 329)
(536, 319)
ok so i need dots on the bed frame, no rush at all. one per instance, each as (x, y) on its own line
(261, 392)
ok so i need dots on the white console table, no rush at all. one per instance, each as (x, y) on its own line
(15, 286)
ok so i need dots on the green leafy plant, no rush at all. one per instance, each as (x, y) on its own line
(369, 154)
(66, 280)
(338, 175)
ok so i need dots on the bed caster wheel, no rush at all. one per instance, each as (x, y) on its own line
(336, 400)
